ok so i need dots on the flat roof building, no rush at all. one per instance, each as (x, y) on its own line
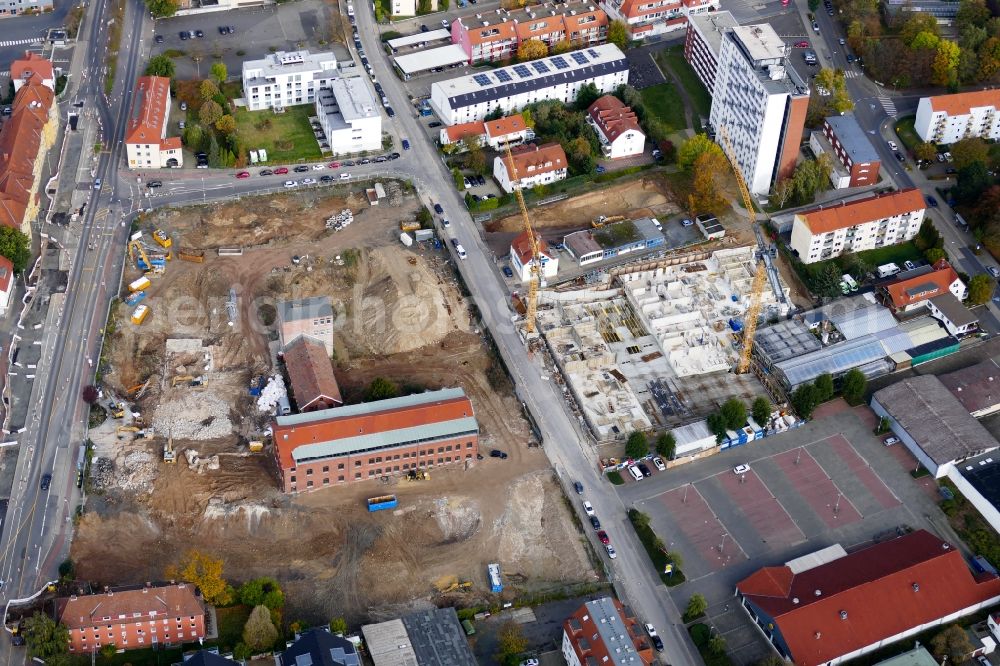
(614, 240)
(349, 115)
(425, 638)
(560, 77)
(703, 42)
(287, 78)
(655, 18)
(374, 439)
(855, 161)
(977, 387)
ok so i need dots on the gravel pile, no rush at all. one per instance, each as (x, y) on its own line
(195, 415)
(138, 471)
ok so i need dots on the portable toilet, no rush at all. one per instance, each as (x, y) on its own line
(758, 431)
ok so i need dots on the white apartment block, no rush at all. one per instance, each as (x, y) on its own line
(824, 233)
(760, 102)
(950, 118)
(653, 18)
(703, 42)
(349, 115)
(286, 78)
(533, 165)
(474, 96)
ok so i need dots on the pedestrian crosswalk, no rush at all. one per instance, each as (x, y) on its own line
(853, 74)
(887, 104)
(19, 42)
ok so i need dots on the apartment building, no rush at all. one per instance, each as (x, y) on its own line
(32, 66)
(604, 631)
(530, 165)
(25, 138)
(311, 317)
(950, 118)
(703, 42)
(760, 102)
(474, 96)
(133, 618)
(865, 224)
(850, 149)
(350, 117)
(375, 439)
(287, 78)
(485, 40)
(147, 145)
(653, 18)
(617, 128)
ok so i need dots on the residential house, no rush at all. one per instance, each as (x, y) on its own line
(654, 18)
(530, 165)
(617, 127)
(6, 284)
(912, 290)
(287, 78)
(604, 631)
(350, 117)
(521, 259)
(319, 647)
(32, 65)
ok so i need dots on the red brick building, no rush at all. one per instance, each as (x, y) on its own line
(386, 437)
(604, 631)
(852, 149)
(314, 385)
(133, 618)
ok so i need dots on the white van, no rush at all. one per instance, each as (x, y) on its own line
(461, 252)
(634, 471)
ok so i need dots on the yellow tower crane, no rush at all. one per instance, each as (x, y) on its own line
(760, 274)
(536, 258)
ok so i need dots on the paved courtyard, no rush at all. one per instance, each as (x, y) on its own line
(831, 481)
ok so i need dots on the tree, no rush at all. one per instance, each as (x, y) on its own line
(263, 591)
(209, 113)
(925, 151)
(214, 154)
(824, 387)
(666, 445)
(989, 57)
(980, 288)
(194, 136)
(14, 245)
(761, 410)
(162, 8)
(381, 389)
(459, 179)
(205, 572)
(587, 95)
(717, 645)
(207, 89)
(972, 182)
(259, 633)
(90, 394)
(636, 446)
(934, 255)
(925, 41)
(160, 65)
(338, 625)
(853, 386)
(782, 192)
(46, 639)
(692, 148)
(705, 193)
(810, 177)
(734, 413)
(108, 650)
(532, 49)
(697, 605)
(969, 151)
(475, 158)
(945, 63)
(916, 23)
(511, 643)
(804, 400)
(618, 34)
(227, 125)
(952, 643)
(219, 72)
(971, 14)
(675, 558)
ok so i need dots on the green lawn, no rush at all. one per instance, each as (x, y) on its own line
(673, 59)
(665, 103)
(231, 621)
(906, 133)
(287, 137)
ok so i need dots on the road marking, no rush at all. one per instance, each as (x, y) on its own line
(887, 104)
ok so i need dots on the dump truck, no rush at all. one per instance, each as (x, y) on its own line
(140, 284)
(140, 314)
(161, 237)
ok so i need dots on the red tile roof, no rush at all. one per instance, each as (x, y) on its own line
(166, 601)
(148, 121)
(289, 437)
(311, 373)
(870, 209)
(867, 596)
(32, 65)
(20, 142)
(460, 131)
(6, 274)
(540, 26)
(531, 160)
(961, 103)
(637, 8)
(521, 246)
(495, 32)
(613, 117)
(923, 287)
(585, 21)
(504, 126)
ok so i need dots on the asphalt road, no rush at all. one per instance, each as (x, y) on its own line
(15, 31)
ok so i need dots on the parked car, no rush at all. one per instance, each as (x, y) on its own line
(406, 144)
(326, 179)
(184, 106)
(611, 551)
(243, 174)
(932, 202)
(603, 537)
(889, 441)
(496, 453)
(159, 39)
(154, 183)
(389, 112)
(654, 637)
(424, 28)
(280, 171)
(595, 523)
(290, 183)
(454, 242)
(600, 169)
(445, 24)
(588, 508)
(816, 27)
(660, 465)
(578, 487)
(318, 167)
(308, 181)
(686, 222)
(892, 145)
(802, 45)
(46, 481)
(345, 176)
(993, 271)
(507, 272)
(645, 470)
(184, 35)
(302, 168)
(438, 209)
(333, 165)
(97, 183)
(434, 124)
(741, 469)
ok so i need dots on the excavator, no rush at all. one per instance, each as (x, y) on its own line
(169, 456)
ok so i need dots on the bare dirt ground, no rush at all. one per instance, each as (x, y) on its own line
(402, 318)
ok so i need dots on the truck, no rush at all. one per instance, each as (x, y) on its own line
(493, 572)
(140, 314)
(382, 502)
(405, 239)
(140, 284)
(887, 270)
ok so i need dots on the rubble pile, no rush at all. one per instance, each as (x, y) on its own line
(195, 415)
(137, 472)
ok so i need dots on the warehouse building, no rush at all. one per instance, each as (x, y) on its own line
(976, 387)
(614, 240)
(474, 96)
(369, 440)
(829, 607)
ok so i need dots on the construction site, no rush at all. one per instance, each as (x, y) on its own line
(183, 459)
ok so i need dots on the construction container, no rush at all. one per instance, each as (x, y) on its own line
(256, 446)
(135, 298)
(140, 284)
(161, 237)
(405, 239)
(422, 235)
(382, 502)
(493, 571)
(140, 314)
(197, 256)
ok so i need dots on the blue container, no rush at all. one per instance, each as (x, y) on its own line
(382, 503)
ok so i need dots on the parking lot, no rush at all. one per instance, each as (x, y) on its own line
(830, 481)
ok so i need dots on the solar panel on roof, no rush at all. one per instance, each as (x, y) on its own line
(503, 76)
(481, 79)
(560, 62)
(540, 67)
(592, 52)
(579, 57)
(522, 71)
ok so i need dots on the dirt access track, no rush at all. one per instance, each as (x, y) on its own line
(331, 555)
